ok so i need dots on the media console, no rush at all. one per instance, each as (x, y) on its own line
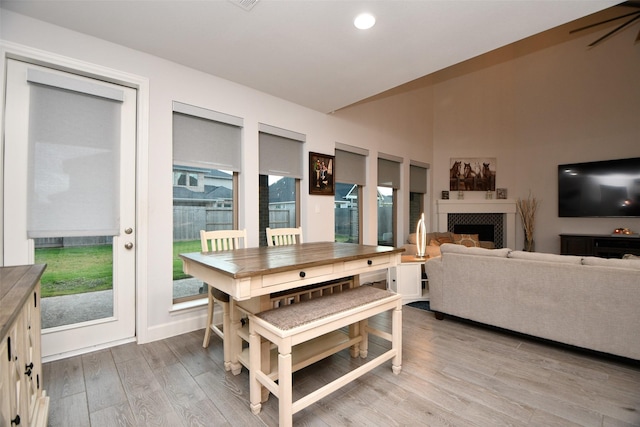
(600, 245)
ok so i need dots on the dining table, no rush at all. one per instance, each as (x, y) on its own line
(251, 275)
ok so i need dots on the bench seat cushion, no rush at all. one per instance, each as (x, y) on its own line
(294, 315)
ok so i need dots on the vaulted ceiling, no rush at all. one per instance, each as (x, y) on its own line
(308, 51)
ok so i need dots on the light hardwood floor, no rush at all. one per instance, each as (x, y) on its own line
(454, 374)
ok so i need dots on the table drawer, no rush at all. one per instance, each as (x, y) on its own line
(373, 262)
(297, 275)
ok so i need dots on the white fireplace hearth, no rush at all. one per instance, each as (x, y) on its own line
(507, 207)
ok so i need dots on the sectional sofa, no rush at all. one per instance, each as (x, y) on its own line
(586, 302)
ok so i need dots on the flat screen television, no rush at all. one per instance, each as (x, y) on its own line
(609, 188)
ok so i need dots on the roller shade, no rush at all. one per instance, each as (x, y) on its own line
(206, 139)
(74, 155)
(280, 155)
(352, 168)
(417, 179)
(388, 173)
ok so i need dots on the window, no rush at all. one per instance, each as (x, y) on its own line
(350, 179)
(417, 191)
(280, 158)
(206, 162)
(388, 185)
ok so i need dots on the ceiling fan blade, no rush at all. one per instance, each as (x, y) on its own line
(614, 30)
(604, 22)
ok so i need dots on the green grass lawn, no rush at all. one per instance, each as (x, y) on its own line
(82, 269)
(180, 248)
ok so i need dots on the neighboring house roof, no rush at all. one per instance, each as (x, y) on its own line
(282, 191)
(342, 191)
(210, 193)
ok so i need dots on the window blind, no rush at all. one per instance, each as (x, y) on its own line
(352, 168)
(417, 179)
(206, 139)
(74, 159)
(388, 173)
(280, 155)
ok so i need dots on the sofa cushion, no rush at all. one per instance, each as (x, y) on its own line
(540, 256)
(633, 264)
(469, 240)
(461, 249)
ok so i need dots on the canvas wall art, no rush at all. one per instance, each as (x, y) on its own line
(472, 174)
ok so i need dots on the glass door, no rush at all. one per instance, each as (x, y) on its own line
(69, 201)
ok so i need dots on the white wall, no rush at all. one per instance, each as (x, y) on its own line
(532, 105)
(168, 82)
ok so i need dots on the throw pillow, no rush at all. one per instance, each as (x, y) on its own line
(444, 239)
(630, 256)
(468, 240)
(434, 242)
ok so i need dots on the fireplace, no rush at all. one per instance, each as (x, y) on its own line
(485, 232)
(500, 214)
(489, 226)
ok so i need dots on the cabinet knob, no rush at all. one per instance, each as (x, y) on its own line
(369, 262)
(302, 274)
(16, 421)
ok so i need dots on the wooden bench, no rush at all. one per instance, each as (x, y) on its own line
(298, 323)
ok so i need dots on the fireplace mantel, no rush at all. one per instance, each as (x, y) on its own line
(504, 206)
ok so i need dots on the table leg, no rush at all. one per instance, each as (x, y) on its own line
(235, 342)
(364, 344)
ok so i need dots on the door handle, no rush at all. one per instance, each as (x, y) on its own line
(128, 245)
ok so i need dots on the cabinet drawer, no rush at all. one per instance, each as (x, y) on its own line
(297, 275)
(372, 262)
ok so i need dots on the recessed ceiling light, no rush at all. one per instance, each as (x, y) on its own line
(364, 21)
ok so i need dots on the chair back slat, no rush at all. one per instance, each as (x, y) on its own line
(222, 240)
(284, 236)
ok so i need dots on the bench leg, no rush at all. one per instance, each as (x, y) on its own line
(285, 393)
(364, 344)
(396, 339)
(254, 365)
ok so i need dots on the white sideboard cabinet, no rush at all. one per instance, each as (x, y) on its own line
(23, 400)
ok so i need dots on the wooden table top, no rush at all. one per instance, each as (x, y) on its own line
(242, 263)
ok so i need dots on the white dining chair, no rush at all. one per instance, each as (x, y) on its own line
(214, 241)
(284, 236)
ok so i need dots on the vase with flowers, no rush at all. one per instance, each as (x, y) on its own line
(527, 210)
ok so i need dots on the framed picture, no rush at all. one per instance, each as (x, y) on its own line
(501, 193)
(321, 170)
(472, 174)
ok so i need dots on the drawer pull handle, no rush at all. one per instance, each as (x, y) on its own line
(28, 369)
(369, 262)
(302, 274)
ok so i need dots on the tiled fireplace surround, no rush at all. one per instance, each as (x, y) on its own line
(501, 213)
